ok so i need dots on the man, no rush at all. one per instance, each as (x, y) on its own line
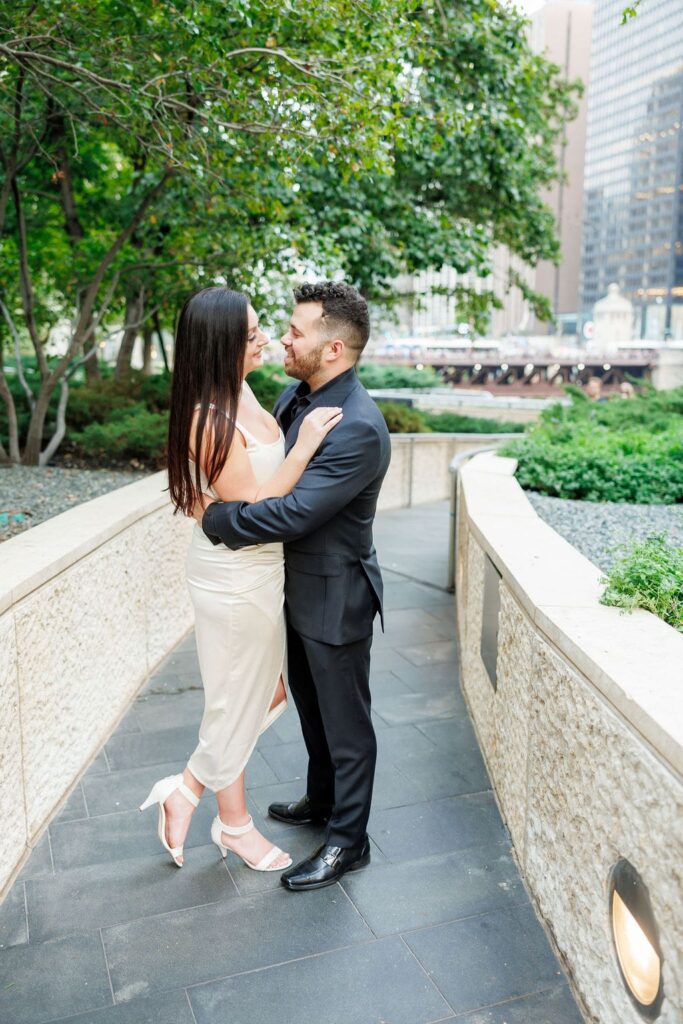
(333, 585)
(594, 390)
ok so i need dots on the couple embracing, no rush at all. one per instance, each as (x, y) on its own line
(281, 569)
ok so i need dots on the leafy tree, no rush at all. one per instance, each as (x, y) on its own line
(482, 114)
(149, 146)
(115, 111)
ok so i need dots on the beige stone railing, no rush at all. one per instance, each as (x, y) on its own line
(420, 466)
(578, 712)
(90, 602)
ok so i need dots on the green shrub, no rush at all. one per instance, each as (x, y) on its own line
(96, 402)
(624, 451)
(155, 391)
(133, 433)
(456, 423)
(401, 419)
(374, 376)
(268, 383)
(649, 575)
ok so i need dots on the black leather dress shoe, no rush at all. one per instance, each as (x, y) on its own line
(300, 812)
(326, 866)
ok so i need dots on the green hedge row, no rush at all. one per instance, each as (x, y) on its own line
(402, 419)
(619, 450)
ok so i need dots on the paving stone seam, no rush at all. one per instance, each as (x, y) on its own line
(28, 932)
(519, 901)
(85, 802)
(284, 963)
(106, 966)
(357, 909)
(376, 712)
(427, 975)
(416, 580)
(510, 1001)
(189, 1003)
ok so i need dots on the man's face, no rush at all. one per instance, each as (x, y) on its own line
(304, 349)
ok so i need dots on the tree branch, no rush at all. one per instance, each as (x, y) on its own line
(8, 398)
(60, 428)
(26, 286)
(17, 355)
(115, 247)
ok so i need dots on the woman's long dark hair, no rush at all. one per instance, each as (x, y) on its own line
(210, 345)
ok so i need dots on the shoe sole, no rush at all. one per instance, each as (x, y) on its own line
(299, 821)
(356, 866)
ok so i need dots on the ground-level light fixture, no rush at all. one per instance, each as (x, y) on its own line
(607, 366)
(636, 941)
(503, 366)
(581, 366)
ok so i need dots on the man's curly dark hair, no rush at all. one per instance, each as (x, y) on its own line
(345, 312)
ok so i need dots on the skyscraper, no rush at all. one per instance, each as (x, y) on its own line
(633, 204)
(561, 29)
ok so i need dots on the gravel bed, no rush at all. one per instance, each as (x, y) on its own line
(29, 495)
(597, 528)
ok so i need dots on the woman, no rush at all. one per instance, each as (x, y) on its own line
(223, 443)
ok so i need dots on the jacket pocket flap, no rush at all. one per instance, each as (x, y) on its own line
(314, 565)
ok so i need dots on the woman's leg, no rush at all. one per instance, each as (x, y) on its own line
(232, 810)
(179, 811)
(280, 694)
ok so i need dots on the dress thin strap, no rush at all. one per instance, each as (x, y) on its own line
(243, 430)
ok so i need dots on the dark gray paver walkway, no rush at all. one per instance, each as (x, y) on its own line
(101, 928)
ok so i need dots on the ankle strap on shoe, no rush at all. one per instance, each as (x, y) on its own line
(187, 793)
(236, 830)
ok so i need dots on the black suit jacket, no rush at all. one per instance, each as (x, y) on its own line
(333, 583)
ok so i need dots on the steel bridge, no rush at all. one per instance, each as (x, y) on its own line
(479, 368)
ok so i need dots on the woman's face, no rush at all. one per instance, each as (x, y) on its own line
(256, 342)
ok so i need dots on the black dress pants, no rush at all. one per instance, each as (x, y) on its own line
(331, 690)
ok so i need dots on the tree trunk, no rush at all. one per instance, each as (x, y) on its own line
(12, 425)
(148, 339)
(34, 437)
(135, 304)
(92, 365)
(162, 344)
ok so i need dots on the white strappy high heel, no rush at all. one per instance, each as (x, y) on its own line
(160, 792)
(265, 864)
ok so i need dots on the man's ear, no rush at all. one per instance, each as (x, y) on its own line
(337, 349)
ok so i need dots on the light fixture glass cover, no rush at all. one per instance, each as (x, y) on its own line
(635, 939)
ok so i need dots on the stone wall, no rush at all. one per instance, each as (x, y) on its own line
(90, 602)
(582, 733)
(420, 466)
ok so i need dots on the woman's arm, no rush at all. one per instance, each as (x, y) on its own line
(236, 481)
(349, 463)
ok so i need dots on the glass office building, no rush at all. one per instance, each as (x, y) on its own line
(633, 198)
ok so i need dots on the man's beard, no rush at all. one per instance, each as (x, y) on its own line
(305, 367)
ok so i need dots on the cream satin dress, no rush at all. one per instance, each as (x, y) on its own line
(238, 598)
